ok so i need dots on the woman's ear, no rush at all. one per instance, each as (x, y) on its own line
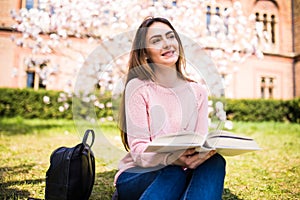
(146, 57)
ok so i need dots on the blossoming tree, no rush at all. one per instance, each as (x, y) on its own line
(226, 34)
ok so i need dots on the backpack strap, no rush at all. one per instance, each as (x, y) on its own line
(86, 135)
(91, 164)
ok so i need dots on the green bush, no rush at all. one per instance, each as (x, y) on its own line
(263, 110)
(29, 103)
(293, 110)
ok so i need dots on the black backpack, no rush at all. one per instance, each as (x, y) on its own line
(71, 174)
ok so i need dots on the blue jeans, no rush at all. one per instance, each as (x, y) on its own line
(206, 182)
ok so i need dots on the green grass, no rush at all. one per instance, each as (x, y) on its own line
(26, 145)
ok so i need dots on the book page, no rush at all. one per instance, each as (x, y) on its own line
(229, 144)
(226, 143)
(175, 142)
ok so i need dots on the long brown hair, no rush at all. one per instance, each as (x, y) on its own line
(141, 67)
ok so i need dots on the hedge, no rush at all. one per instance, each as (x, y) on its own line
(29, 103)
(263, 110)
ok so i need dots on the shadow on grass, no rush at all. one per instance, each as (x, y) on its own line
(10, 189)
(227, 195)
(103, 188)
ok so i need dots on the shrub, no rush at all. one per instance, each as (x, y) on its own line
(293, 110)
(29, 103)
(263, 110)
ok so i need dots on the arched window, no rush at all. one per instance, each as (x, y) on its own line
(215, 10)
(266, 16)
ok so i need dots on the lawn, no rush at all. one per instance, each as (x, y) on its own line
(26, 145)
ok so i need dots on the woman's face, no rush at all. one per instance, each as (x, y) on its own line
(162, 45)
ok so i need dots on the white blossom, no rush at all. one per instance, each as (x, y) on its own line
(46, 99)
(61, 109)
(109, 104)
(232, 36)
(228, 125)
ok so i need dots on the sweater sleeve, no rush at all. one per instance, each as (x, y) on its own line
(202, 106)
(138, 131)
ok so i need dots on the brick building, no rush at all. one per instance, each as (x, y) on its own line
(276, 76)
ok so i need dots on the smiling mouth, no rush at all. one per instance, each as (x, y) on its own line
(168, 53)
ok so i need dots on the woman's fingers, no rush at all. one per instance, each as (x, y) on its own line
(194, 161)
(189, 152)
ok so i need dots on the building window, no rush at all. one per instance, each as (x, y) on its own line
(174, 2)
(273, 28)
(218, 11)
(29, 4)
(30, 79)
(208, 15)
(34, 81)
(271, 87)
(262, 87)
(34, 72)
(265, 27)
(265, 22)
(226, 21)
(262, 92)
(270, 93)
(267, 87)
(211, 12)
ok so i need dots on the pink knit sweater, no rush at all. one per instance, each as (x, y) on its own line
(153, 110)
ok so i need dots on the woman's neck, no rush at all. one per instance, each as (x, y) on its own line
(167, 77)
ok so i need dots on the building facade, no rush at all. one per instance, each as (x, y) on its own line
(275, 76)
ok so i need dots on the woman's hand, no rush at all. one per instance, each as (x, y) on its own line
(192, 159)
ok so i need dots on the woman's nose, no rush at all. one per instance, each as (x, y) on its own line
(166, 44)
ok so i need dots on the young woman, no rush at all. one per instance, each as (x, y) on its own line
(158, 99)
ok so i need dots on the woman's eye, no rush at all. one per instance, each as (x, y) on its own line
(154, 41)
(172, 36)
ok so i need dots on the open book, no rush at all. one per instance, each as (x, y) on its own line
(224, 142)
